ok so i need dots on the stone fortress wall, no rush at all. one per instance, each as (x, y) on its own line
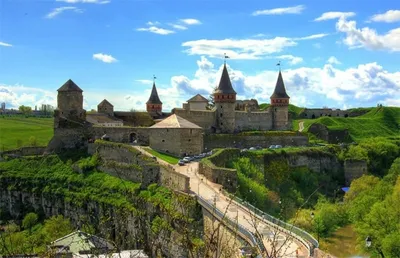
(250, 121)
(202, 118)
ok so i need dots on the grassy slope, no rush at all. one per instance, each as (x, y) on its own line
(293, 110)
(21, 128)
(383, 122)
(168, 158)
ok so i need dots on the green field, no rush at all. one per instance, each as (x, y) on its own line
(168, 158)
(384, 122)
(15, 131)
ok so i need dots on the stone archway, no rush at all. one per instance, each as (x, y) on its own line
(313, 116)
(133, 138)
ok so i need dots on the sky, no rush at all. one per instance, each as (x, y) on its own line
(333, 53)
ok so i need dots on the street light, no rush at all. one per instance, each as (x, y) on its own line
(368, 241)
(312, 216)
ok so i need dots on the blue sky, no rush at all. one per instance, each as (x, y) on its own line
(338, 53)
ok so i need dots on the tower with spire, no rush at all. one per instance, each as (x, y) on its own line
(280, 104)
(70, 101)
(225, 102)
(154, 104)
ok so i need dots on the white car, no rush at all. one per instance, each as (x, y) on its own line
(272, 147)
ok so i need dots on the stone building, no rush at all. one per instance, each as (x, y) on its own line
(224, 118)
(105, 107)
(247, 104)
(70, 102)
(176, 136)
(197, 102)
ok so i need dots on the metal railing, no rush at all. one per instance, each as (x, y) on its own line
(308, 240)
(232, 224)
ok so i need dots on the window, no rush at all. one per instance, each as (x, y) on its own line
(223, 96)
(221, 106)
(167, 130)
(163, 140)
(221, 123)
(220, 115)
(191, 130)
(189, 140)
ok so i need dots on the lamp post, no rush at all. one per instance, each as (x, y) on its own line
(312, 216)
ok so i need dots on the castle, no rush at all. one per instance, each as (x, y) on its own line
(178, 133)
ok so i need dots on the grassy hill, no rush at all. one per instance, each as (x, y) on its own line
(15, 131)
(382, 121)
(293, 110)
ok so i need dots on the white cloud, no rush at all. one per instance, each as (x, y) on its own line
(150, 23)
(292, 59)
(389, 16)
(17, 95)
(368, 38)
(5, 44)
(333, 60)
(145, 81)
(314, 36)
(85, 1)
(190, 21)
(278, 11)
(334, 15)
(178, 27)
(104, 58)
(57, 11)
(244, 48)
(156, 30)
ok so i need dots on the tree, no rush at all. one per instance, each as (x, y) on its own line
(56, 227)
(25, 109)
(29, 221)
(211, 102)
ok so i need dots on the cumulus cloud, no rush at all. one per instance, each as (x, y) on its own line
(368, 38)
(334, 15)
(59, 10)
(156, 30)
(85, 1)
(190, 21)
(104, 58)
(333, 60)
(278, 11)
(3, 44)
(17, 95)
(388, 17)
(178, 26)
(245, 48)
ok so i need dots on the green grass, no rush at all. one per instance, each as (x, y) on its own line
(19, 128)
(294, 111)
(346, 239)
(166, 157)
(384, 122)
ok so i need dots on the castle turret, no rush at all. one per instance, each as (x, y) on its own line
(154, 104)
(225, 102)
(70, 101)
(279, 104)
(106, 108)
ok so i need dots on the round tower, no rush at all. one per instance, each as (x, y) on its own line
(154, 104)
(279, 105)
(70, 100)
(225, 102)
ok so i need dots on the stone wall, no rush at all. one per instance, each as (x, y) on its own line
(330, 136)
(213, 168)
(354, 169)
(250, 121)
(135, 119)
(125, 162)
(203, 118)
(174, 180)
(246, 141)
(121, 134)
(319, 112)
(318, 253)
(24, 151)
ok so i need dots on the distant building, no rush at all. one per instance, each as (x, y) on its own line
(3, 106)
(105, 107)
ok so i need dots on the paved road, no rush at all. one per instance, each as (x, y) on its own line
(210, 191)
(301, 126)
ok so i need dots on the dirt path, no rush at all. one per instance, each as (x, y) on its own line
(301, 126)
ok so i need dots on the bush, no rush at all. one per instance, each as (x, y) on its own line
(32, 141)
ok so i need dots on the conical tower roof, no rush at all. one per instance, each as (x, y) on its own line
(70, 86)
(154, 99)
(280, 91)
(225, 85)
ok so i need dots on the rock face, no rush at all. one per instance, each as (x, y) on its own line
(126, 229)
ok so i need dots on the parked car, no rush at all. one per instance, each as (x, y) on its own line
(272, 147)
(278, 146)
(243, 150)
(181, 163)
(252, 148)
(186, 159)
